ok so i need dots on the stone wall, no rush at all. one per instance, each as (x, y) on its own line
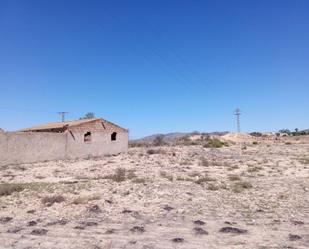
(19, 147)
(29, 147)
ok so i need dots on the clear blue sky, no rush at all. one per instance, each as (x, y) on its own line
(156, 66)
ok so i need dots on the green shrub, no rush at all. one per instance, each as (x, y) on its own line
(214, 143)
(256, 134)
(158, 141)
(10, 188)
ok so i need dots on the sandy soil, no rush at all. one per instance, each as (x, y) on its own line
(164, 197)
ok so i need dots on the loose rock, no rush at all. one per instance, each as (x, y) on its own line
(199, 231)
(5, 219)
(178, 240)
(40, 231)
(32, 223)
(293, 237)
(138, 229)
(234, 230)
(199, 222)
(94, 209)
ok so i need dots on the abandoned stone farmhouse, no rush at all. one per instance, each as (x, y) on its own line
(63, 140)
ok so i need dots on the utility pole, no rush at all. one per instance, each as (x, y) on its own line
(237, 113)
(62, 114)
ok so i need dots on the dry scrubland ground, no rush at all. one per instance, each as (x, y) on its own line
(168, 197)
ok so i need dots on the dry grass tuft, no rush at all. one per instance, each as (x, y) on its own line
(204, 162)
(234, 178)
(130, 174)
(10, 188)
(240, 186)
(118, 176)
(140, 180)
(85, 199)
(213, 187)
(232, 167)
(204, 179)
(167, 176)
(304, 160)
(51, 200)
(155, 151)
(254, 169)
(182, 178)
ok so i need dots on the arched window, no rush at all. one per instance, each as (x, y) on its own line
(114, 136)
(87, 136)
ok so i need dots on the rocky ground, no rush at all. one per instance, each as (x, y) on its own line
(253, 196)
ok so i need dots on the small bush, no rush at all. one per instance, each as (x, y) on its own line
(158, 141)
(255, 143)
(118, 176)
(166, 175)
(214, 143)
(181, 178)
(244, 147)
(234, 178)
(256, 134)
(85, 199)
(139, 180)
(191, 142)
(212, 187)
(304, 160)
(51, 200)
(288, 143)
(204, 162)
(153, 151)
(186, 162)
(204, 179)
(10, 188)
(130, 174)
(254, 169)
(232, 167)
(134, 144)
(241, 186)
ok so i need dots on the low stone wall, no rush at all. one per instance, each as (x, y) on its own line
(29, 147)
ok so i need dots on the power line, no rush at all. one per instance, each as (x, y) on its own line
(238, 113)
(62, 114)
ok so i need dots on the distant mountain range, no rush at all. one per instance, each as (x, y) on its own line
(174, 136)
